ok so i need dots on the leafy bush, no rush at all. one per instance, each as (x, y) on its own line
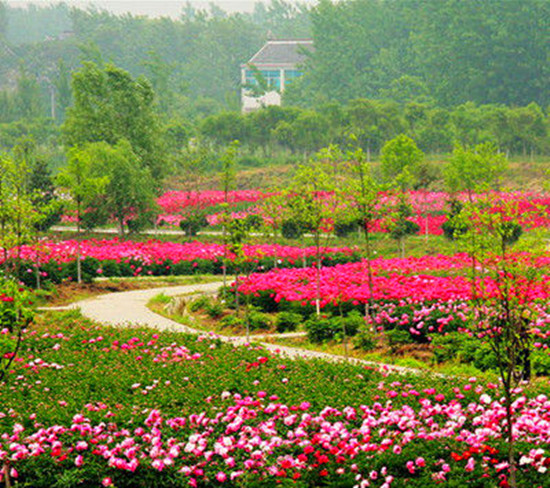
(258, 320)
(365, 340)
(462, 348)
(192, 223)
(15, 304)
(214, 309)
(287, 321)
(397, 337)
(292, 229)
(320, 329)
(232, 321)
(325, 328)
(198, 304)
(540, 362)
(352, 323)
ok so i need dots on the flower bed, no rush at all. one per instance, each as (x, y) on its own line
(113, 257)
(135, 408)
(423, 296)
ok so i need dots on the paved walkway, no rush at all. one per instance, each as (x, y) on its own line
(129, 308)
(161, 231)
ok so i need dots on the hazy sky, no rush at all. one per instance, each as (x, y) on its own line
(153, 8)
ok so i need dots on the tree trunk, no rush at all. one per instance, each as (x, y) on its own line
(510, 435)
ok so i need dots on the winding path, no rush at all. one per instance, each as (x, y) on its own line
(129, 308)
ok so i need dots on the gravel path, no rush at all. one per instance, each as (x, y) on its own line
(129, 308)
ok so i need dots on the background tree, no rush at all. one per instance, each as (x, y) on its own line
(110, 105)
(310, 202)
(400, 161)
(471, 169)
(504, 311)
(79, 179)
(363, 191)
(127, 190)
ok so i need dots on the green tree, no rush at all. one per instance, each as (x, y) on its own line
(79, 179)
(362, 193)
(311, 202)
(227, 174)
(472, 169)
(504, 313)
(223, 127)
(400, 161)
(110, 105)
(17, 215)
(128, 193)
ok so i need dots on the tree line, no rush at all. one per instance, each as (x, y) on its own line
(441, 52)
(514, 130)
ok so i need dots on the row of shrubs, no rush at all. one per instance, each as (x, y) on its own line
(56, 272)
(452, 346)
(265, 301)
(464, 349)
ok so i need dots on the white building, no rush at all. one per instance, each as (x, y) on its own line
(278, 62)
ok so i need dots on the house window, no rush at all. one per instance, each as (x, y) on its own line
(272, 78)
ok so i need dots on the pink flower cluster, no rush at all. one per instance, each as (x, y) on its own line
(394, 279)
(264, 438)
(154, 252)
(175, 201)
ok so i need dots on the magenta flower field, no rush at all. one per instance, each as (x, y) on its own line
(429, 208)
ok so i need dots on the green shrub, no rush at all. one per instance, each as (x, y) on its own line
(321, 329)
(232, 321)
(198, 304)
(365, 340)
(345, 228)
(193, 222)
(397, 337)
(214, 309)
(540, 362)
(292, 229)
(258, 320)
(287, 321)
(15, 304)
(352, 323)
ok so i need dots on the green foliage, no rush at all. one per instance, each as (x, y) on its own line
(400, 227)
(193, 222)
(397, 338)
(129, 194)
(110, 106)
(454, 226)
(232, 321)
(18, 216)
(287, 321)
(365, 340)
(400, 161)
(324, 328)
(293, 229)
(438, 47)
(475, 169)
(258, 320)
(214, 309)
(198, 304)
(320, 329)
(15, 305)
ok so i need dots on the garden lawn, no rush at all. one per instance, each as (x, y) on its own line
(86, 405)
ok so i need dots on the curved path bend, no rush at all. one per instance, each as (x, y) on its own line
(129, 308)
